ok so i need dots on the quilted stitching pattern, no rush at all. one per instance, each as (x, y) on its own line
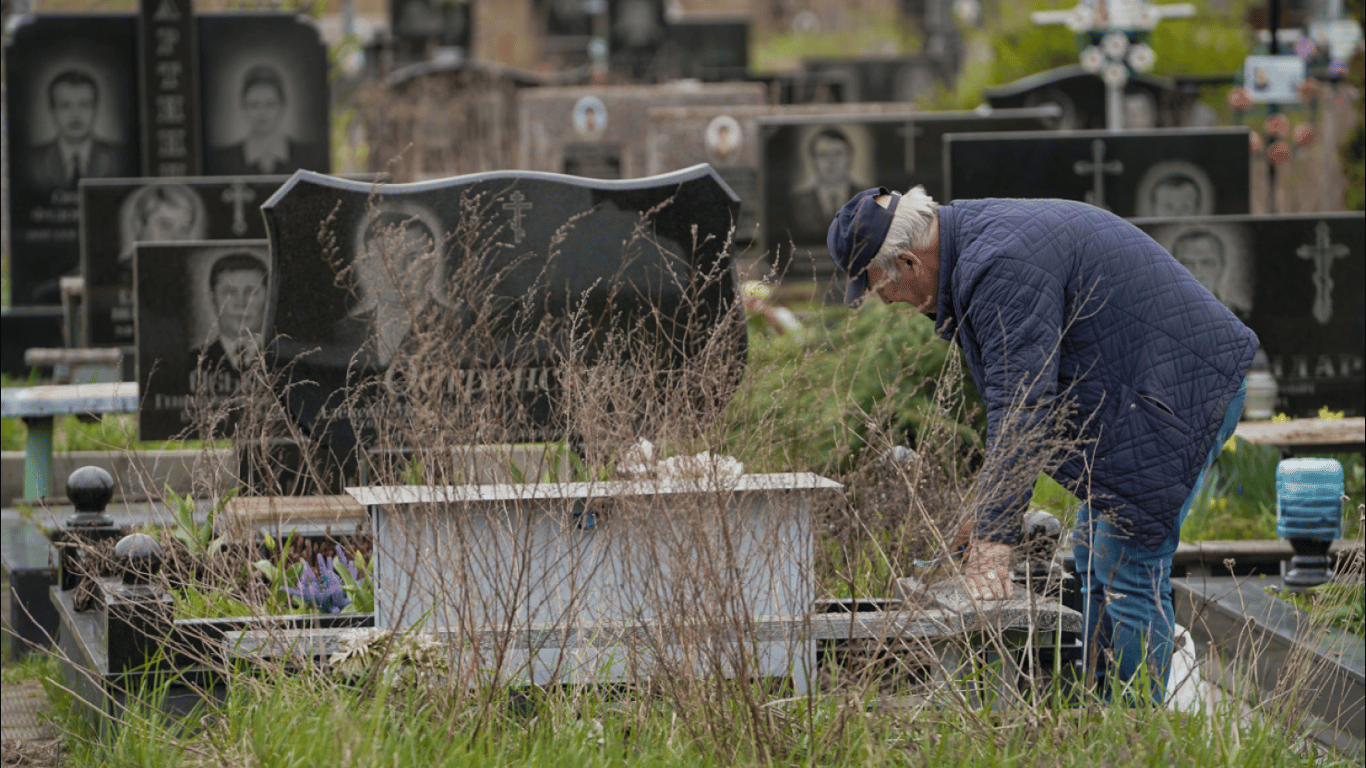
(1054, 298)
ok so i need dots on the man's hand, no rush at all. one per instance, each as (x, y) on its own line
(986, 574)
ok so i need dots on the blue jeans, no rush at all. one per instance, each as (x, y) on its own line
(1128, 591)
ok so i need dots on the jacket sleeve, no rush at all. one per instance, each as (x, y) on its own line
(1014, 320)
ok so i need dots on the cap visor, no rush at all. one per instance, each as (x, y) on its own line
(853, 295)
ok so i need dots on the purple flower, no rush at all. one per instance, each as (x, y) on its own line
(323, 589)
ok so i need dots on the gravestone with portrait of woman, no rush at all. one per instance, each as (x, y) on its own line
(1299, 281)
(266, 105)
(118, 213)
(479, 290)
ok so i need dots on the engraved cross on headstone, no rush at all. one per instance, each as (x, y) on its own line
(909, 131)
(1097, 168)
(519, 206)
(1323, 252)
(238, 195)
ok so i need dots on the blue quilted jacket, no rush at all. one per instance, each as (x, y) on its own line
(1059, 304)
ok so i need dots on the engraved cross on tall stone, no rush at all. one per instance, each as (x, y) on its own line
(238, 195)
(1097, 168)
(1323, 253)
(519, 206)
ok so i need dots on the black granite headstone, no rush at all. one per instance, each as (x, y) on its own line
(879, 78)
(485, 272)
(1149, 102)
(710, 50)
(813, 165)
(169, 65)
(1171, 172)
(201, 309)
(418, 25)
(1299, 281)
(25, 328)
(116, 213)
(264, 83)
(72, 100)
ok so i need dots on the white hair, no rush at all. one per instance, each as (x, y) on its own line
(912, 227)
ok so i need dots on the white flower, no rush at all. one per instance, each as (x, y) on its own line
(1114, 44)
(1092, 59)
(1142, 58)
(1115, 75)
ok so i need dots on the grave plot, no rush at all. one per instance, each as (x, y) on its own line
(599, 131)
(1297, 280)
(813, 165)
(1184, 172)
(118, 213)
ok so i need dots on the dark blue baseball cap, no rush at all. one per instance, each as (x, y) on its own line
(856, 235)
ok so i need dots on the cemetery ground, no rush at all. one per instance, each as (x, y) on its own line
(809, 400)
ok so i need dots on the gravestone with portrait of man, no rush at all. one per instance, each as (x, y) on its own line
(72, 101)
(1165, 172)
(200, 326)
(118, 213)
(812, 165)
(126, 95)
(496, 276)
(1299, 281)
(600, 131)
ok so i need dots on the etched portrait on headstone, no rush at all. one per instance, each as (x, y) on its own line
(265, 95)
(394, 274)
(830, 159)
(81, 145)
(590, 117)
(236, 285)
(1175, 188)
(1217, 255)
(202, 310)
(266, 148)
(71, 100)
(723, 139)
(161, 213)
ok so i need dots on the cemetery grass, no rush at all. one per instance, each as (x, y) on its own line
(289, 719)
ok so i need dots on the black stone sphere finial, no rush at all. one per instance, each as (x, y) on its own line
(139, 558)
(90, 489)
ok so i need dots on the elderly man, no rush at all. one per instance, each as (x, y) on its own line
(1074, 321)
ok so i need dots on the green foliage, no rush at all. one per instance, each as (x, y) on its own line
(194, 603)
(886, 34)
(360, 591)
(813, 400)
(199, 540)
(1335, 604)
